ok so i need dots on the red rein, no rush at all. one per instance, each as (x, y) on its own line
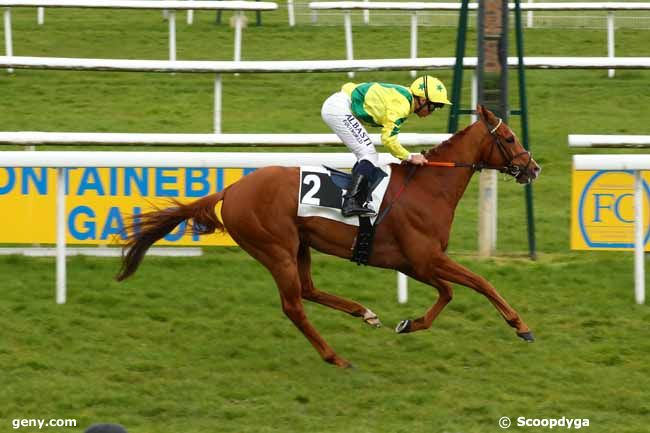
(441, 164)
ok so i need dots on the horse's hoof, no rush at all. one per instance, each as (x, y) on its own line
(371, 319)
(403, 327)
(338, 361)
(342, 363)
(526, 336)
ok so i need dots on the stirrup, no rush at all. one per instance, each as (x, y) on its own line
(356, 209)
(368, 211)
(359, 213)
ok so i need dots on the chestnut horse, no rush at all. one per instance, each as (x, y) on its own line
(260, 213)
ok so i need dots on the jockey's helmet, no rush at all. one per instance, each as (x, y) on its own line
(430, 88)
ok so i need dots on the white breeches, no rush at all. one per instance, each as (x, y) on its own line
(336, 113)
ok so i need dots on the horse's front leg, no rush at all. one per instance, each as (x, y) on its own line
(451, 271)
(445, 294)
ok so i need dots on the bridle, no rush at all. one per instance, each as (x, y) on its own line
(508, 168)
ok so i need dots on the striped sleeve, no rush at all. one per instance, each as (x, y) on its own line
(390, 133)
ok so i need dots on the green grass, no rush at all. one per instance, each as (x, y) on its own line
(215, 353)
(201, 344)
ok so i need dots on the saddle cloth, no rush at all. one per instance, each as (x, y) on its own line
(319, 196)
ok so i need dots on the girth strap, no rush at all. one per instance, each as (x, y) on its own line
(363, 244)
(366, 232)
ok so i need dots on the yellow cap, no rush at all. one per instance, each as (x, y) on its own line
(430, 88)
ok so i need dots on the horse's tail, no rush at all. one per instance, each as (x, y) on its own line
(147, 228)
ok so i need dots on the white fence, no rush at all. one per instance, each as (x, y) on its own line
(636, 163)
(299, 66)
(62, 160)
(32, 138)
(584, 140)
(530, 6)
(541, 6)
(366, 6)
(288, 66)
(168, 5)
(72, 159)
(414, 7)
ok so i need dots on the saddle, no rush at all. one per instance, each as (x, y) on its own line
(321, 194)
(343, 179)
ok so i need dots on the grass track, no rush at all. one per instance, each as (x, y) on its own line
(214, 353)
(201, 345)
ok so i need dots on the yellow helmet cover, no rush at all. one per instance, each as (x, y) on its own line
(430, 88)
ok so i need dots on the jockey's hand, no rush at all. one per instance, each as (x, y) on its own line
(417, 159)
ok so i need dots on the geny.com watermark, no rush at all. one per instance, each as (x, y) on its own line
(550, 423)
(42, 423)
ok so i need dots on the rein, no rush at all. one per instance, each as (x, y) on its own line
(475, 167)
(508, 168)
(387, 209)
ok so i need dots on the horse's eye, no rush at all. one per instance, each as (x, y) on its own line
(510, 139)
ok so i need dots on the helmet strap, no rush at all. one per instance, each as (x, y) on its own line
(426, 88)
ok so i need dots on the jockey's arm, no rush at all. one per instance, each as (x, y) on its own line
(390, 140)
(394, 116)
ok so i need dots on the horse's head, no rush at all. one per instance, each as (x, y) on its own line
(503, 150)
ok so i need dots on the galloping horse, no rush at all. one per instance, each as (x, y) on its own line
(260, 213)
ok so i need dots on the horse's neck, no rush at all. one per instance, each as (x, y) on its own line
(464, 147)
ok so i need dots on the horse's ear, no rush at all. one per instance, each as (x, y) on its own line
(486, 115)
(481, 112)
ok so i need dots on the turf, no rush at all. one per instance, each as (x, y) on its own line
(201, 345)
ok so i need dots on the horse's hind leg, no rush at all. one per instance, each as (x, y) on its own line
(287, 279)
(259, 212)
(284, 268)
(313, 294)
(451, 271)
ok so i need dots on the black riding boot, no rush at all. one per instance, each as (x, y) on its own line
(356, 198)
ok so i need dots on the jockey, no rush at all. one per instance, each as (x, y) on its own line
(381, 105)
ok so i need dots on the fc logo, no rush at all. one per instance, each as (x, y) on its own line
(606, 210)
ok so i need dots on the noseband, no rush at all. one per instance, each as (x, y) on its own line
(509, 167)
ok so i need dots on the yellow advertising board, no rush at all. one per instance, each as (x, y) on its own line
(99, 202)
(602, 210)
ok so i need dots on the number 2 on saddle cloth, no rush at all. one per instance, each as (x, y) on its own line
(325, 189)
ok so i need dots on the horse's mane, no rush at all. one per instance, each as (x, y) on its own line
(434, 151)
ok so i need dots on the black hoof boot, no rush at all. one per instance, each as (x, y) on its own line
(526, 336)
(403, 327)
